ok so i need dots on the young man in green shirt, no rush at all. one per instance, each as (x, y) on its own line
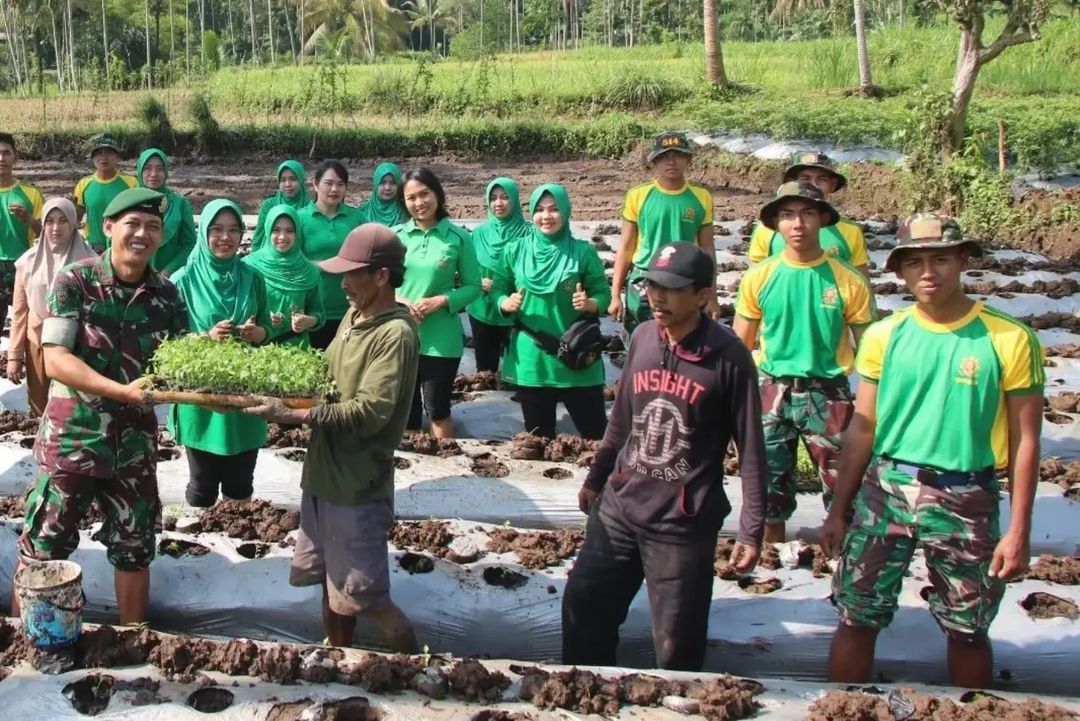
(94, 192)
(666, 209)
(951, 391)
(843, 240)
(347, 506)
(807, 307)
(20, 219)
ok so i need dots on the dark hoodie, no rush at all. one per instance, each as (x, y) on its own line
(350, 458)
(677, 408)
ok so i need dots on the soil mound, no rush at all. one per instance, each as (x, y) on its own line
(537, 549)
(470, 680)
(906, 704)
(563, 448)
(432, 537)
(488, 465)
(287, 436)
(15, 422)
(1056, 569)
(12, 506)
(476, 382)
(254, 520)
(429, 445)
(1064, 474)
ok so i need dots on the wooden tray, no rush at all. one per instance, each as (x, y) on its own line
(222, 399)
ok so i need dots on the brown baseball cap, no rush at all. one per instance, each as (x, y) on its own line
(366, 245)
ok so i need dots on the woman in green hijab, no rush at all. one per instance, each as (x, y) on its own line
(292, 191)
(292, 281)
(547, 281)
(178, 239)
(226, 301)
(505, 225)
(385, 205)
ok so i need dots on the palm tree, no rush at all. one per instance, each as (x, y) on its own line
(866, 87)
(786, 9)
(424, 13)
(714, 55)
(371, 26)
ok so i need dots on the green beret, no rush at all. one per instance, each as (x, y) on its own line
(139, 200)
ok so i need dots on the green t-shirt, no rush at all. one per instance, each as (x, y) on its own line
(942, 387)
(805, 311)
(440, 261)
(308, 302)
(664, 217)
(844, 241)
(15, 235)
(93, 196)
(322, 239)
(225, 434)
(525, 363)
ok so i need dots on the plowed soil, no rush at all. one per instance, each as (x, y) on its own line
(255, 520)
(1064, 570)
(537, 549)
(857, 706)
(563, 448)
(432, 537)
(429, 445)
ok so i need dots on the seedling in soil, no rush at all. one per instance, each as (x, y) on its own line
(253, 550)
(504, 577)
(90, 695)
(178, 548)
(415, 563)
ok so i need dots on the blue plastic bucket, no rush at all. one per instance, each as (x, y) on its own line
(52, 600)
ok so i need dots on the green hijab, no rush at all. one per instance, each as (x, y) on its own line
(215, 289)
(290, 271)
(172, 218)
(377, 210)
(301, 199)
(490, 238)
(544, 261)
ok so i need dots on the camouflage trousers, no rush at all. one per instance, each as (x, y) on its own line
(7, 288)
(957, 528)
(818, 413)
(128, 503)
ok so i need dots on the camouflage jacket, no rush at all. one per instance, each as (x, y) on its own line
(114, 328)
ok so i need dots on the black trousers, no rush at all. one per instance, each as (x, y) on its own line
(322, 337)
(606, 577)
(234, 475)
(489, 343)
(585, 406)
(434, 388)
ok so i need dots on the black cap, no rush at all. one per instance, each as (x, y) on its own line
(678, 265)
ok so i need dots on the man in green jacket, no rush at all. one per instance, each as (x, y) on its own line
(347, 505)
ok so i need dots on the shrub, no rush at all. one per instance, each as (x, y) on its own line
(153, 115)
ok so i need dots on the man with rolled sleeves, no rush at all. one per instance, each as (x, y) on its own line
(97, 441)
(347, 506)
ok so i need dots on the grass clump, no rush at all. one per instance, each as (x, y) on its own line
(196, 363)
(155, 118)
(208, 134)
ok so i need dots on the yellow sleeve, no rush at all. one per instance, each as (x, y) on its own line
(856, 242)
(760, 239)
(129, 180)
(705, 198)
(1019, 351)
(746, 301)
(872, 349)
(635, 198)
(37, 203)
(858, 298)
(80, 189)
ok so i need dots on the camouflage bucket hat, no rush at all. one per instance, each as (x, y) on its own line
(820, 161)
(99, 142)
(929, 230)
(792, 191)
(669, 140)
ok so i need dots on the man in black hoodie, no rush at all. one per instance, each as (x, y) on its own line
(655, 494)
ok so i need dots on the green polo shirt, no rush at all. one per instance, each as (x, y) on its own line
(440, 261)
(322, 239)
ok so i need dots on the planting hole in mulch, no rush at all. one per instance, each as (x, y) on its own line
(487, 465)
(504, 577)
(1073, 494)
(752, 584)
(210, 699)
(168, 454)
(297, 455)
(288, 710)
(491, 714)
(254, 549)
(1057, 418)
(354, 708)
(1046, 605)
(27, 441)
(402, 463)
(415, 563)
(558, 474)
(179, 548)
(90, 695)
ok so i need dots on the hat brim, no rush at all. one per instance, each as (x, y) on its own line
(658, 152)
(770, 210)
(894, 254)
(339, 266)
(667, 279)
(104, 146)
(793, 171)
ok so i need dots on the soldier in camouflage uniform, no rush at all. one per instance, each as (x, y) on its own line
(951, 390)
(96, 443)
(807, 307)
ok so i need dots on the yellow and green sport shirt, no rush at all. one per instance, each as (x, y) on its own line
(942, 387)
(15, 235)
(664, 216)
(844, 241)
(805, 311)
(93, 196)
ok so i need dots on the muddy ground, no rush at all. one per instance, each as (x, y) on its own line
(740, 186)
(911, 706)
